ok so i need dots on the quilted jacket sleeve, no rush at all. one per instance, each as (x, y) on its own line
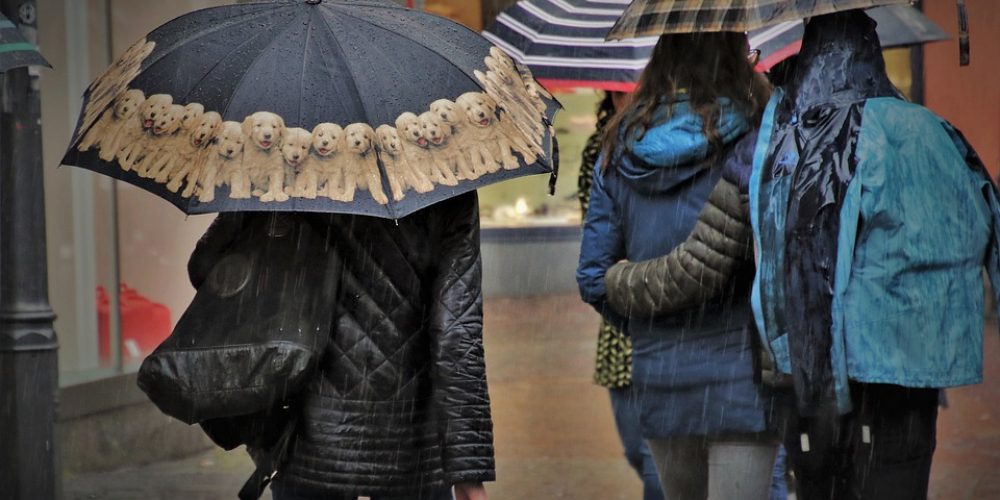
(701, 267)
(456, 329)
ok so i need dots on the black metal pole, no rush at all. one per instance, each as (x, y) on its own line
(28, 364)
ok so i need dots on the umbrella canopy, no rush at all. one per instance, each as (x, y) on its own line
(898, 26)
(15, 50)
(563, 42)
(658, 17)
(308, 105)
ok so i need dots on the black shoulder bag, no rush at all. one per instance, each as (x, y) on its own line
(250, 339)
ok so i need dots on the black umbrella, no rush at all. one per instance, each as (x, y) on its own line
(309, 105)
(898, 26)
(15, 50)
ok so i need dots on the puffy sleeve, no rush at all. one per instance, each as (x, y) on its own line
(703, 266)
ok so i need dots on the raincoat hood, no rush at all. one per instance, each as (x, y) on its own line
(841, 61)
(671, 152)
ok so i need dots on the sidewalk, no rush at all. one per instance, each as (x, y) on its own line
(554, 432)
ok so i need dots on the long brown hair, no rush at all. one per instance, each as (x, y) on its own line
(706, 66)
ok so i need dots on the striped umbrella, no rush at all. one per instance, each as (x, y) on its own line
(15, 50)
(657, 17)
(563, 41)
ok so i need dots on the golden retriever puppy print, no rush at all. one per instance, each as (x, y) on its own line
(481, 110)
(327, 164)
(504, 82)
(295, 146)
(114, 82)
(102, 134)
(525, 133)
(262, 130)
(192, 154)
(166, 127)
(402, 176)
(168, 136)
(362, 163)
(438, 133)
(224, 165)
(176, 153)
(416, 148)
(525, 118)
(478, 154)
(128, 144)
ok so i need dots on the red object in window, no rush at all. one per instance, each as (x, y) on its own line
(144, 325)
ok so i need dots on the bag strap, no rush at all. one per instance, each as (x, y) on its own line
(267, 467)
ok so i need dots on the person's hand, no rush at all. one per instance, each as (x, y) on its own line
(470, 491)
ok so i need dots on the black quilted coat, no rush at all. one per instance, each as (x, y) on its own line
(399, 403)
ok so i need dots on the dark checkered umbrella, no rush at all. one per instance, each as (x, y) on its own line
(15, 50)
(659, 17)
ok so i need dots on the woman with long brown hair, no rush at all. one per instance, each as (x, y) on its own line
(666, 199)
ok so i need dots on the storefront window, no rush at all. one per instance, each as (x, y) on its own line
(525, 202)
(117, 254)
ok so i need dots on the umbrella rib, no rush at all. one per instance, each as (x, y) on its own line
(239, 83)
(347, 64)
(216, 65)
(200, 34)
(401, 35)
(391, 207)
(305, 52)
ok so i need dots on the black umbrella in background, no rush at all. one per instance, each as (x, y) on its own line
(898, 26)
(309, 105)
(15, 50)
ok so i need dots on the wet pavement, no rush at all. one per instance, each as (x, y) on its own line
(554, 432)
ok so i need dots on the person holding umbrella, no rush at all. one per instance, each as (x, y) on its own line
(336, 328)
(678, 140)
(874, 219)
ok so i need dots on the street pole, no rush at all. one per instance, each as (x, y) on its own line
(28, 364)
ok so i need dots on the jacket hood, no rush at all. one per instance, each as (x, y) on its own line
(841, 61)
(671, 152)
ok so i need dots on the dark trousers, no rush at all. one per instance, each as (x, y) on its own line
(282, 492)
(882, 450)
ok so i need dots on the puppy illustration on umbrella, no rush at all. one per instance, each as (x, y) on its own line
(251, 148)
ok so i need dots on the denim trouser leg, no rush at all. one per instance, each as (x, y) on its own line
(779, 486)
(624, 404)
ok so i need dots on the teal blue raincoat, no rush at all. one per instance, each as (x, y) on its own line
(919, 223)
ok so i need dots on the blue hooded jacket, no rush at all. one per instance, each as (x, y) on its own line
(693, 371)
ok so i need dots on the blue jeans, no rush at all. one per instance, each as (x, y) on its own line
(278, 492)
(625, 406)
(779, 486)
